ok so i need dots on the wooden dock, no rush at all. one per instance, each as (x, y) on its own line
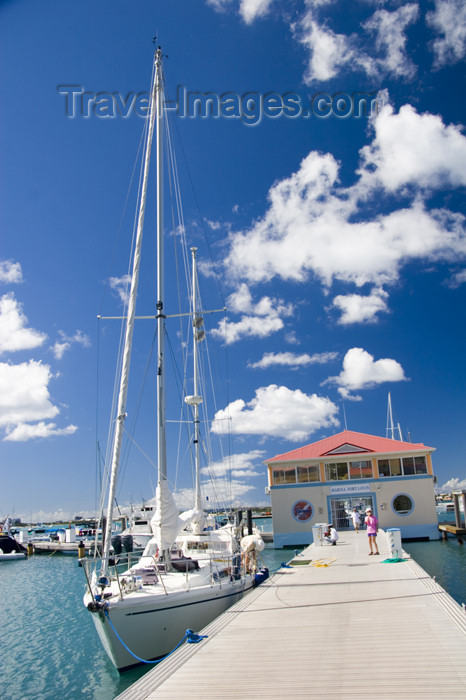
(46, 547)
(447, 528)
(343, 624)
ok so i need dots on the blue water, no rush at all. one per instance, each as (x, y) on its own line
(49, 645)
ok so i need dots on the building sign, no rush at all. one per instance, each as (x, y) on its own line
(301, 511)
(354, 489)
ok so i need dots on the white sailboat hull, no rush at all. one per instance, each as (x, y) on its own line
(152, 625)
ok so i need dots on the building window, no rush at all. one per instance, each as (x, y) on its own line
(360, 470)
(420, 465)
(283, 475)
(336, 472)
(408, 466)
(384, 467)
(403, 504)
(308, 474)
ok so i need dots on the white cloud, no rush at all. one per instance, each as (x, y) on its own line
(121, 286)
(458, 279)
(356, 308)
(249, 10)
(10, 272)
(314, 226)
(24, 395)
(220, 5)
(56, 516)
(258, 320)
(27, 431)
(64, 344)
(389, 28)
(449, 21)
(361, 371)
(247, 327)
(328, 51)
(453, 484)
(25, 402)
(290, 359)
(238, 465)
(226, 482)
(416, 149)
(241, 300)
(278, 412)
(252, 9)
(14, 334)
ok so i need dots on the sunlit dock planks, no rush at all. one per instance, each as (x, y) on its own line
(356, 627)
(447, 528)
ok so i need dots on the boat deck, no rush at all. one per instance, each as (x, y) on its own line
(356, 626)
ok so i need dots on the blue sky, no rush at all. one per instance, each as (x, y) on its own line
(338, 237)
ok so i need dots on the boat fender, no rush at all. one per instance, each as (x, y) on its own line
(96, 605)
(261, 576)
(127, 542)
(236, 567)
(81, 550)
(116, 544)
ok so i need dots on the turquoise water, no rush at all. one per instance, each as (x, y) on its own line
(49, 645)
(444, 560)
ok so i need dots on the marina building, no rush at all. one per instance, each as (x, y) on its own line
(323, 483)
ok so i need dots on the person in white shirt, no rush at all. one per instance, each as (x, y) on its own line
(356, 518)
(332, 535)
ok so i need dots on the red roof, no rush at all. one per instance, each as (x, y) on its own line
(349, 443)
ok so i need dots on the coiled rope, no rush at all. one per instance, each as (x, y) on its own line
(190, 636)
(319, 563)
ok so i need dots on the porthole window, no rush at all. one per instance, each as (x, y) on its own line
(403, 504)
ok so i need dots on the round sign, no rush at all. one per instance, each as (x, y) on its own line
(302, 511)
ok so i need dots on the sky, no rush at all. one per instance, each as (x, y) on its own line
(325, 188)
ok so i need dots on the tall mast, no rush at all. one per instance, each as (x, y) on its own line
(196, 400)
(390, 426)
(161, 436)
(121, 409)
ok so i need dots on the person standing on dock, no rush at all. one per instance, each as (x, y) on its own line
(372, 528)
(356, 518)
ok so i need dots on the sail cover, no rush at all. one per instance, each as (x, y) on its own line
(165, 523)
(193, 517)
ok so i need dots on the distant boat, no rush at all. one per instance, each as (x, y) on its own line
(191, 570)
(447, 507)
(10, 549)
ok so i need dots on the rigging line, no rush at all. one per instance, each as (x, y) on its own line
(130, 433)
(123, 214)
(133, 441)
(180, 384)
(111, 425)
(183, 232)
(138, 153)
(199, 212)
(179, 231)
(98, 473)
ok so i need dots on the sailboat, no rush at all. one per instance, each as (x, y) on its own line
(191, 570)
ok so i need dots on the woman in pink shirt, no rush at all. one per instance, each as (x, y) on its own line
(372, 527)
